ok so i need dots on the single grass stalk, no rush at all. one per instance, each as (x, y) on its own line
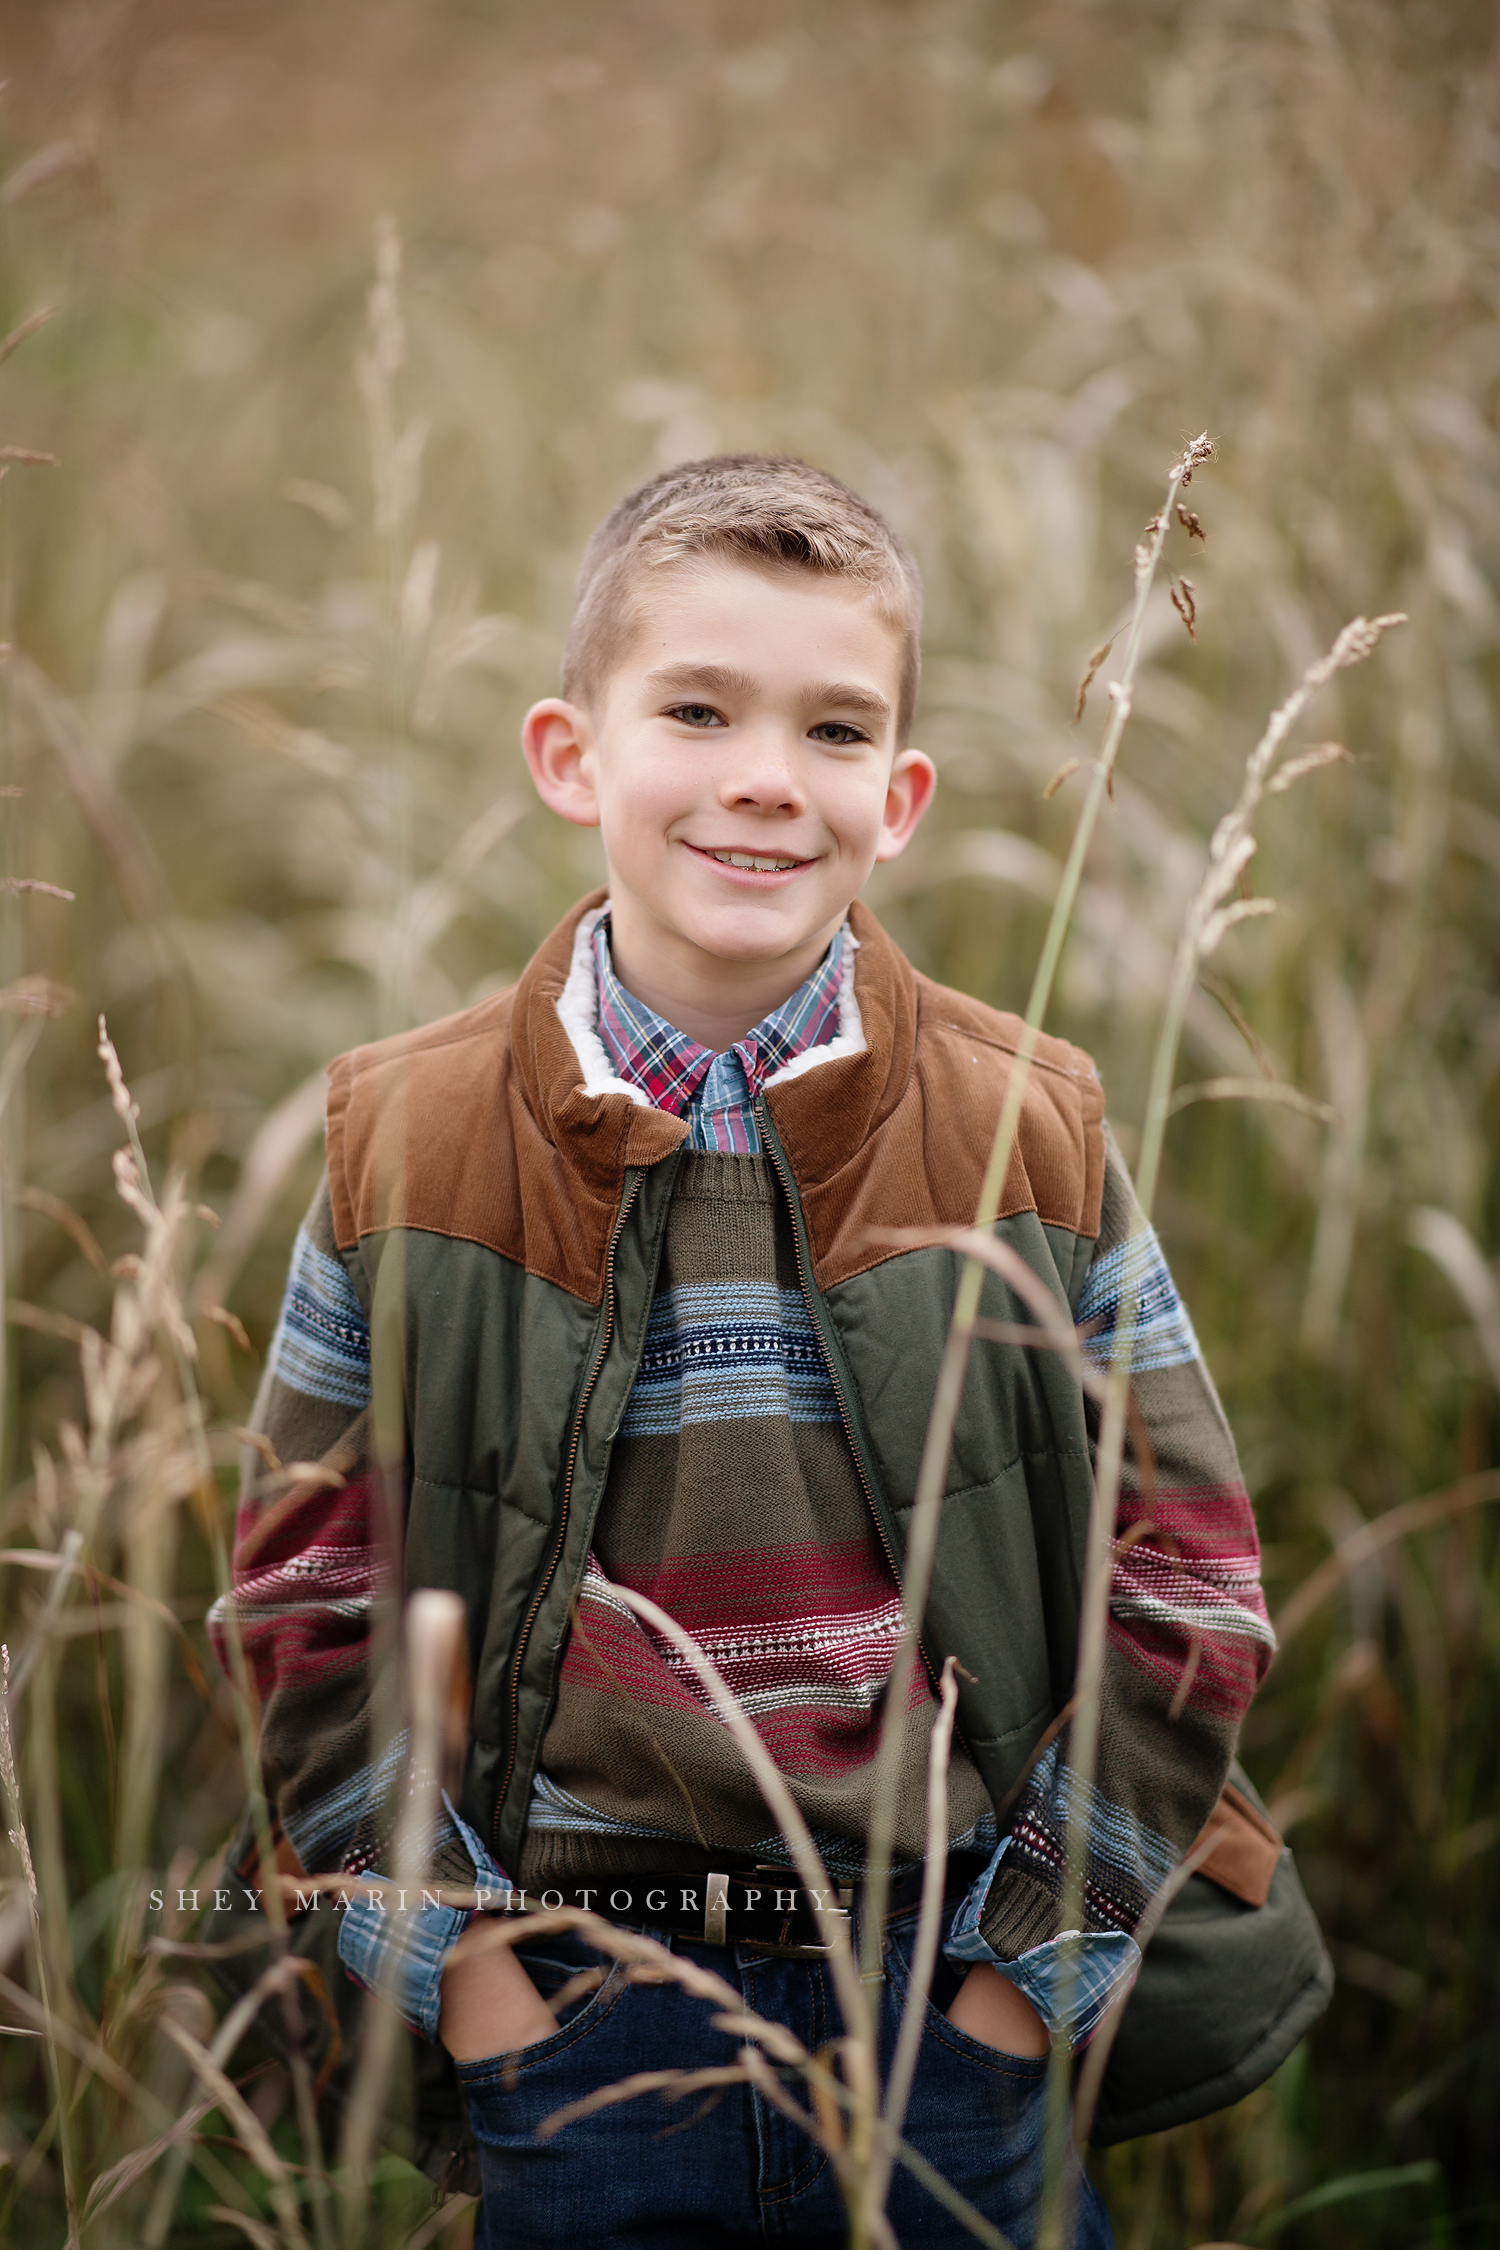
(435, 1646)
(438, 2222)
(1091, 2075)
(1400, 1522)
(249, 2128)
(833, 1923)
(148, 1538)
(924, 1951)
(45, 1834)
(394, 452)
(391, 1692)
(1212, 913)
(921, 1542)
(22, 1847)
(109, 2186)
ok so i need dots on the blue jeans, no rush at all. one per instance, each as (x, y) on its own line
(732, 2170)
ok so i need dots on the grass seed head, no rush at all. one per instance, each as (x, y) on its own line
(119, 1092)
(1307, 761)
(1186, 606)
(1194, 454)
(1096, 658)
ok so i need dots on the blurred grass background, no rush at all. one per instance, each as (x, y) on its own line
(992, 264)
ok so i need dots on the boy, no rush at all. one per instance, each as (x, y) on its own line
(659, 1331)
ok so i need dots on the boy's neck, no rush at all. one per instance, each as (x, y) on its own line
(714, 1000)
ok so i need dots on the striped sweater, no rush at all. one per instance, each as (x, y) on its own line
(733, 1502)
(635, 1769)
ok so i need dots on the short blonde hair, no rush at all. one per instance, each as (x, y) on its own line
(766, 509)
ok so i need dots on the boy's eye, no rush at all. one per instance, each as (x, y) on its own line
(696, 714)
(837, 730)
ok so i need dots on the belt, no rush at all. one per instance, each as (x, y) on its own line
(760, 1906)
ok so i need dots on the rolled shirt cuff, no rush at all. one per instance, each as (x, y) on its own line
(397, 1949)
(1070, 1980)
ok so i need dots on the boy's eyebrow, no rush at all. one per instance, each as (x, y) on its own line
(724, 679)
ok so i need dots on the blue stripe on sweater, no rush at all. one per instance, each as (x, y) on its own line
(322, 1345)
(721, 1351)
(1124, 1853)
(1161, 1333)
(321, 1830)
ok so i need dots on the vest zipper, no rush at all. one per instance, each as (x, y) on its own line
(815, 1308)
(605, 1333)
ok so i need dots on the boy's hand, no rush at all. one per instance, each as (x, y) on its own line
(992, 2010)
(489, 2004)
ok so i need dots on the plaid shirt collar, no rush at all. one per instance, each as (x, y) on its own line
(665, 1063)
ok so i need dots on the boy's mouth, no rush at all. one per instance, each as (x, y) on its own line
(751, 863)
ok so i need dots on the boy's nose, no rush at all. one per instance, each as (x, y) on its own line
(763, 775)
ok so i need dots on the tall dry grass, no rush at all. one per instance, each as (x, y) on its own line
(993, 267)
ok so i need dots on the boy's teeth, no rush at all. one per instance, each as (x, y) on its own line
(748, 859)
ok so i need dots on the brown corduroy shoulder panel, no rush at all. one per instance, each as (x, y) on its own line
(478, 1127)
(916, 1115)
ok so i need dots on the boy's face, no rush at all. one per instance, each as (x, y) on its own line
(741, 765)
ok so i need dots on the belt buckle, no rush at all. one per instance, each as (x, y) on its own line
(716, 1914)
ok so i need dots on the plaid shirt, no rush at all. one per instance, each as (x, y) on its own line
(715, 1093)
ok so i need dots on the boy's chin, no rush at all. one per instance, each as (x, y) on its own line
(760, 938)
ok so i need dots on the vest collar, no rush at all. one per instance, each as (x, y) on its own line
(824, 1103)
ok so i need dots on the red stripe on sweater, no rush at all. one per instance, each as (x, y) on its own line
(280, 1531)
(762, 1585)
(819, 1733)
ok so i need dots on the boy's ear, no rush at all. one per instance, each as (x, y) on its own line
(558, 740)
(908, 795)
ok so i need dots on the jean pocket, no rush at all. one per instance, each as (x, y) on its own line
(1021, 2071)
(557, 1962)
(550, 1972)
